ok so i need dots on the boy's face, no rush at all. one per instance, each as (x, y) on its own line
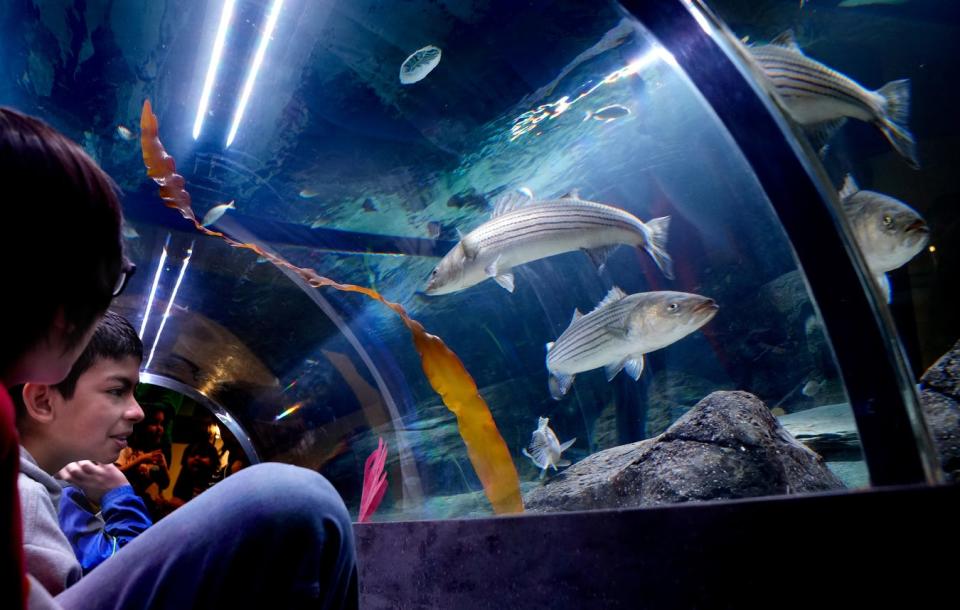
(95, 423)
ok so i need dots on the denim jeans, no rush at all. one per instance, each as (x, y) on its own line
(269, 536)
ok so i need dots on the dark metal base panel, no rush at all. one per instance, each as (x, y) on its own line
(879, 548)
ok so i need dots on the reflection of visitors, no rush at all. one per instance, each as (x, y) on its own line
(272, 535)
(145, 461)
(199, 465)
(236, 458)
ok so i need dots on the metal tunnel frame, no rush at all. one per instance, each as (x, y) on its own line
(222, 415)
(895, 440)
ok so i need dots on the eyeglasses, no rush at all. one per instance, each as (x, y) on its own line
(126, 272)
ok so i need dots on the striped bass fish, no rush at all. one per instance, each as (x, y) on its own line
(821, 99)
(620, 331)
(523, 229)
(888, 231)
(545, 448)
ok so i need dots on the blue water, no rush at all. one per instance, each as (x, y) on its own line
(334, 150)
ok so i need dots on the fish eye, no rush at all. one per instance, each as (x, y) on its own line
(887, 220)
(673, 307)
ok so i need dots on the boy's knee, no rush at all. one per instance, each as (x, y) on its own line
(293, 494)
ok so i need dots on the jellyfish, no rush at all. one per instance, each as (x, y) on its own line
(417, 66)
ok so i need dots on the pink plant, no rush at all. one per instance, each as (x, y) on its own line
(374, 482)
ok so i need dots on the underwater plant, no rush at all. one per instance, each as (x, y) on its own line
(374, 481)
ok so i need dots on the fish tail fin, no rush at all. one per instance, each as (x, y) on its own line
(893, 121)
(543, 473)
(657, 244)
(559, 385)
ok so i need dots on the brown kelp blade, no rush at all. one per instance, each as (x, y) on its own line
(486, 448)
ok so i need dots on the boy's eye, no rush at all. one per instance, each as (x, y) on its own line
(118, 392)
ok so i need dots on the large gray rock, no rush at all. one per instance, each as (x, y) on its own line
(940, 399)
(727, 446)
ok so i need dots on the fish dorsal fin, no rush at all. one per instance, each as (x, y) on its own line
(576, 316)
(613, 296)
(512, 200)
(571, 194)
(787, 40)
(849, 187)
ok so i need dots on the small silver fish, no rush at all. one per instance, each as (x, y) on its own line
(214, 213)
(608, 113)
(433, 229)
(888, 231)
(129, 232)
(308, 193)
(125, 133)
(524, 230)
(812, 388)
(620, 330)
(821, 99)
(545, 448)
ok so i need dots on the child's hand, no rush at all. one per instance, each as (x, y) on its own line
(93, 479)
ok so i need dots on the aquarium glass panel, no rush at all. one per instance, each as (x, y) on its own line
(537, 184)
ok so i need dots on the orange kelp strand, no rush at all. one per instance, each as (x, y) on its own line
(449, 378)
(161, 166)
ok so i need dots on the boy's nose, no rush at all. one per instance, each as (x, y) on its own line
(134, 413)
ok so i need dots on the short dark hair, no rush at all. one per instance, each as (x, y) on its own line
(60, 243)
(114, 338)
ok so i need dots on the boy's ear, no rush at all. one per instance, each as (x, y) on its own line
(39, 400)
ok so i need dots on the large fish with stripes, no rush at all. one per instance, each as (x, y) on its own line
(620, 331)
(821, 99)
(523, 229)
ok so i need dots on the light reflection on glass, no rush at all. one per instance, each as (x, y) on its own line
(528, 121)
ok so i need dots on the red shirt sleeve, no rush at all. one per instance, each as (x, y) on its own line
(13, 580)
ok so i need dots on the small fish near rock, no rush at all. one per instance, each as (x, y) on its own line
(728, 446)
(545, 448)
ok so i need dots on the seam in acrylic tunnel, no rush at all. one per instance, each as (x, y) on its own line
(412, 490)
(896, 443)
(180, 372)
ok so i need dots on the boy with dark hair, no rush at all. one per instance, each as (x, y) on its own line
(87, 416)
(273, 535)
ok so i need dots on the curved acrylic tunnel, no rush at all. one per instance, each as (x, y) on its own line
(295, 111)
